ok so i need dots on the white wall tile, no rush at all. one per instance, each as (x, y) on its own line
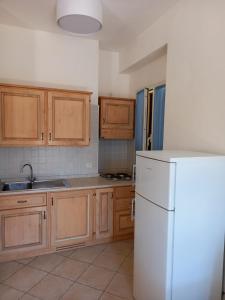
(116, 155)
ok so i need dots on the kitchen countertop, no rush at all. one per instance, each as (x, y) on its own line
(75, 184)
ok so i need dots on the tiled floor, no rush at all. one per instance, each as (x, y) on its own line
(98, 272)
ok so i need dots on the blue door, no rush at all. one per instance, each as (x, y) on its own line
(158, 117)
(139, 118)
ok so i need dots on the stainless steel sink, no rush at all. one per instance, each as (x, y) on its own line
(16, 186)
(47, 184)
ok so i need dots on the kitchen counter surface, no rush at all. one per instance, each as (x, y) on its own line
(75, 184)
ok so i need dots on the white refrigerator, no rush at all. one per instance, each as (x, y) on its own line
(179, 226)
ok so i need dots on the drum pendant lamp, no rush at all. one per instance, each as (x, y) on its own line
(79, 16)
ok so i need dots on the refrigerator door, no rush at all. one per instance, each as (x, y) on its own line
(155, 181)
(153, 246)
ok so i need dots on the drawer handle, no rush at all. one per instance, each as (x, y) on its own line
(22, 201)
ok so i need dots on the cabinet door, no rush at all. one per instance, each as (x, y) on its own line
(22, 116)
(117, 118)
(123, 214)
(124, 224)
(68, 119)
(71, 218)
(23, 229)
(104, 213)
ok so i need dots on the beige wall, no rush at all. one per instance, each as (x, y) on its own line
(111, 81)
(148, 76)
(195, 106)
(42, 58)
(195, 103)
(48, 59)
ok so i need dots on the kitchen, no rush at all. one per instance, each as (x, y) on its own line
(181, 46)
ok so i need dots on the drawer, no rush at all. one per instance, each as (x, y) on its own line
(155, 180)
(123, 204)
(123, 223)
(21, 201)
(123, 192)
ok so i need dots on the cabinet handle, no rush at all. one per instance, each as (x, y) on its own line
(52, 201)
(50, 136)
(22, 201)
(103, 120)
(42, 136)
(133, 209)
(44, 216)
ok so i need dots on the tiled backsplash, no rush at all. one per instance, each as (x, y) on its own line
(53, 161)
(116, 155)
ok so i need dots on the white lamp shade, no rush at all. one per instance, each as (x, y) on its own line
(80, 16)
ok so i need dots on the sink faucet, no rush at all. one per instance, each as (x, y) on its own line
(31, 178)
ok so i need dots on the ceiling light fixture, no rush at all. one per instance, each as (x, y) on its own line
(80, 16)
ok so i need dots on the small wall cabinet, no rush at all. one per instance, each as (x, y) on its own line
(116, 118)
(31, 116)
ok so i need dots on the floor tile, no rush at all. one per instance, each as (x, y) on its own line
(28, 297)
(51, 288)
(130, 242)
(107, 296)
(109, 260)
(8, 268)
(88, 254)
(96, 277)
(122, 286)
(66, 253)
(25, 278)
(123, 248)
(25, 261)
(70, 269)
(127, 266)
(46, 262)
(81, 292)
(8, 293)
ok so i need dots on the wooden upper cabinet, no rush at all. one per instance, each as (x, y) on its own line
(32, 116)
(22, 116)
(116, 118)
(68, 119)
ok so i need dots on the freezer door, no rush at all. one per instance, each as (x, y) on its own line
(155, 180)
(152, 251)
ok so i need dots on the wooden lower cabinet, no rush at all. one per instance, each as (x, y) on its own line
(104, 213)
(39, 223)
(123, 218)
(23, 229)
(71, 216)
(124, 224)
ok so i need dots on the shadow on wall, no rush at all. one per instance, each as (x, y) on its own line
(116, 155)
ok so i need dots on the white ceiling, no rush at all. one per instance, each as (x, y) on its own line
(123, 19)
